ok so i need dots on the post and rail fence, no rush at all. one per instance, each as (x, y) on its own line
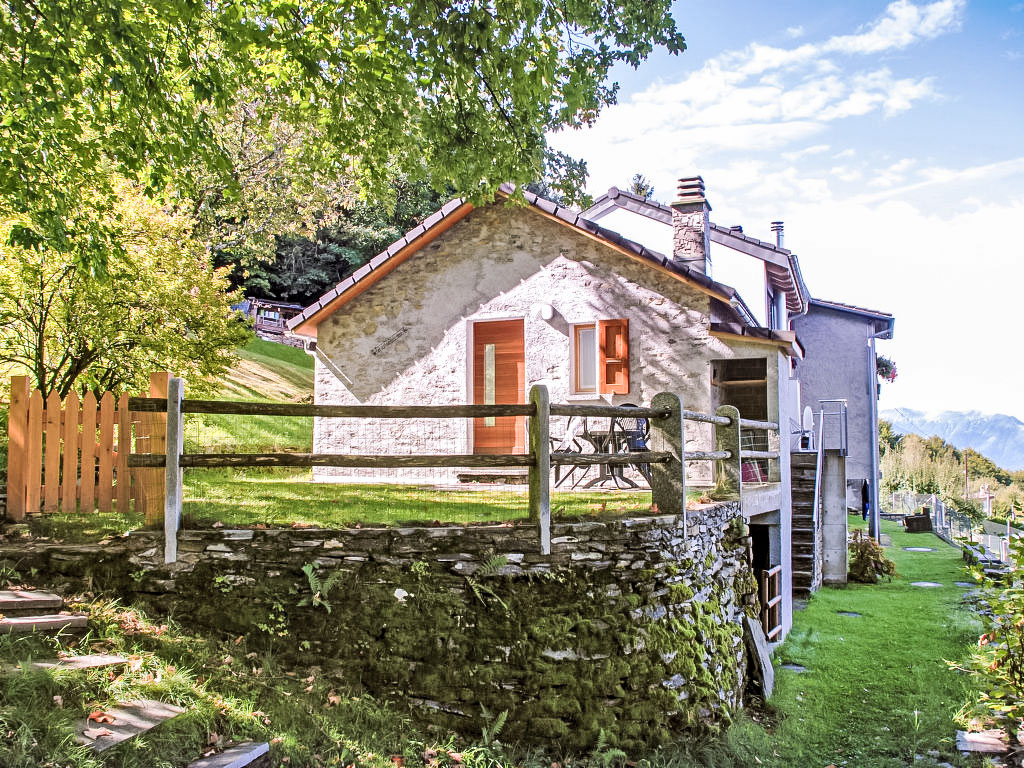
(134, 463)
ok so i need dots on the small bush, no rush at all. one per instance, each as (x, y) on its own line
(868, 560)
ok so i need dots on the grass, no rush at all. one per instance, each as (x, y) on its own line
(231, 693)
(264, 371)
(877, 690)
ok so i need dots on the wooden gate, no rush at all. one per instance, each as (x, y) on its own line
(72, 456)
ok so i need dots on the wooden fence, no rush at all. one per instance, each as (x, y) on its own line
(72, 455)
(666, 456)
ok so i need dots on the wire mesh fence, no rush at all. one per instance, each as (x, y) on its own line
(346, 496)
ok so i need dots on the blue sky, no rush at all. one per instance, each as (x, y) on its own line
(890, 139)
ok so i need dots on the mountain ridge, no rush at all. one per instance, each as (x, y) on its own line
(998, 436)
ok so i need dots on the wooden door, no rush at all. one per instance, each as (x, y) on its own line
(499, 376)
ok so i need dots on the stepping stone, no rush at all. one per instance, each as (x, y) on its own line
(990, 742)
(885, 540)
(799, 669)
(925, 584)
(130, 720)
(94, 661)
(53, 623)
(26, 602)
(248, 755)
(919, 549)
(848, 613)
(965, 583)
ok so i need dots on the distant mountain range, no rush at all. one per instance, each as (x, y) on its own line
(997, 436)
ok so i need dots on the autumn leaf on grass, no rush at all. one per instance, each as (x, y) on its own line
(333, 699)
(455, 757)
(99, 716)
(398, 761)
(95, 733)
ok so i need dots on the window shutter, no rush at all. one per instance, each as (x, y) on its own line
(613, 362)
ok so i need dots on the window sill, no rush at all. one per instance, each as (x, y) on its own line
(585, 397)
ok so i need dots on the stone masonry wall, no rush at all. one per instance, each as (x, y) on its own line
(632, 626)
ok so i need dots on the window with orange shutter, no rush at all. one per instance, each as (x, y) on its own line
(613, 356)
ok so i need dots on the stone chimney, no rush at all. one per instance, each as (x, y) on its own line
(691, 243)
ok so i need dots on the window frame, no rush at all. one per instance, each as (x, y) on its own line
(575, 359)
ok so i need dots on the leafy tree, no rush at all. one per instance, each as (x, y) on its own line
(459, 94)
(982, 466)
(304, 268)
(887, 436)
(641, 186)
(160, 305)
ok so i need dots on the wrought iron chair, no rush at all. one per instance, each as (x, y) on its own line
(572, 441)
(633, 434)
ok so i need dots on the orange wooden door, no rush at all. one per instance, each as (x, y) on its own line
(499, 376)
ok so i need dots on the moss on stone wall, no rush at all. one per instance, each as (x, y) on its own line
(641, 643)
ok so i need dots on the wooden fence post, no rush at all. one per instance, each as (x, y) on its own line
(69, 482)
(105, 491)
(728, 472)
(172, 472)
(668, 479)
(156, 430)
(540, 469)
(124, 448)
(34, 452)
(51, 455)
(17, 446)
(88, 486)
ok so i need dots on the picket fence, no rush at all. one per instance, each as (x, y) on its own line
(72, 456)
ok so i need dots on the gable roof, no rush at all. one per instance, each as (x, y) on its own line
(881, 321)
(781, 265)
(440, 221)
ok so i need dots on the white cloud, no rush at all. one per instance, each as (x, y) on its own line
(760, 99)
(795, 32)
(815, 149)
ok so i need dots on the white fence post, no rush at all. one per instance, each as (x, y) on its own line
(173, 476)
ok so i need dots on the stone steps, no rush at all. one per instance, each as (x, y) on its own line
(56, 623)
(28, 602)
(130, 720)
(91, 661)
(248, 755)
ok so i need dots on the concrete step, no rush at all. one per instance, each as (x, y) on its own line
(51, 624)
(248, 755)
(130, 720)
(28, 602)
(92, 661)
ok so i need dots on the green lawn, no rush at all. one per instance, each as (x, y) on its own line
(877, 689)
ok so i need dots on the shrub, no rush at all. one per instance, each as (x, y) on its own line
(868, 560)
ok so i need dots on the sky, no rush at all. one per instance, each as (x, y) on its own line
(889, 137)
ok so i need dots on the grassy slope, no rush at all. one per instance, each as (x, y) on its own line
(878, 689)
(265, 370)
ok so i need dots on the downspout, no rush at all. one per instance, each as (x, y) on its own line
(874, 525)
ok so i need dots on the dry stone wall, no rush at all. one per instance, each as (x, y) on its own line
(631, 626)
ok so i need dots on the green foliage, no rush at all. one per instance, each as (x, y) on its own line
(868, 560)
(460, 95)
(998, 661)
(887, 437)
(305, 265)
(967, 507)
(979, 466)
(487, 569)
(885, 368)
(639, 185)
(160, 306)
(605, 756)
(490, 732)
(320, 588)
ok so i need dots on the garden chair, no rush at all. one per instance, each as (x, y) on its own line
(572, 441)
(633, 434)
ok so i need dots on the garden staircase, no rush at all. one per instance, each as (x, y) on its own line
(25, 611)
(805, 534)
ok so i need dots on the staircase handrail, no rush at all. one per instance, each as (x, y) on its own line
(818, 467)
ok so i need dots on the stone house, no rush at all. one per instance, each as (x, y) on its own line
(480, 303)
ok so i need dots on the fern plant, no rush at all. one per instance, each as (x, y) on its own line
(320, 588)
(480, 590)
(604, 756)
(491, 731)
